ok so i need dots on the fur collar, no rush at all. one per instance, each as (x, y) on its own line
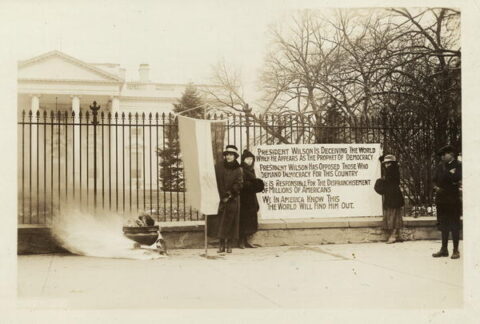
(231, 165)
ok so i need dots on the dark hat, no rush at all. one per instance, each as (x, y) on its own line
(389, 158)
(247, 153)
(446, 149)
(231, 149)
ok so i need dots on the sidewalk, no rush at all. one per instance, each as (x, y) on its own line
(372, 275)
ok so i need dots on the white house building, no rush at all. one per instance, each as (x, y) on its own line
(56, 80)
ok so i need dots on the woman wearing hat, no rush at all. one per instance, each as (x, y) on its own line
(447, 185)
(393, 198)
(229, 182)
(248, 200)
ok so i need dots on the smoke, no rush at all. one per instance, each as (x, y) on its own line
(97, 235)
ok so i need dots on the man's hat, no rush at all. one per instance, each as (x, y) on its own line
(232, 149)
(446, 149)
(389, 158)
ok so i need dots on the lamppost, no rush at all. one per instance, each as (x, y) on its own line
(247, 110)
(94, 108)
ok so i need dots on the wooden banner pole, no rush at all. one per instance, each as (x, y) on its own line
(206, 236)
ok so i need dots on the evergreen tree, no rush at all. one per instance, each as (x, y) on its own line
(171, 172)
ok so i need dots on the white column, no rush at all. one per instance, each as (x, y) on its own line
(76, 105)
(75, 182)
(115, 105)
(35, 106)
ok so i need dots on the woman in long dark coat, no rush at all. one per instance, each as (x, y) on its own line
(393, 198)
(229, 182)
(248, 200)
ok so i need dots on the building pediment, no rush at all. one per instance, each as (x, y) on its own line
(58, 66)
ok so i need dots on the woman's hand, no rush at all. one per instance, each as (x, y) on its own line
(227, 197)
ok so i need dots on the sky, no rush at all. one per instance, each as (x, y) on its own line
(180, 40)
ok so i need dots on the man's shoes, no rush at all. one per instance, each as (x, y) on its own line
(455, 255)
(441, 253)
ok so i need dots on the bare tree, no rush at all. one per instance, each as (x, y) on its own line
(228, 97)
(344, 67)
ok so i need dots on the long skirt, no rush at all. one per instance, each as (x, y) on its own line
(229, 219)
(392, 218)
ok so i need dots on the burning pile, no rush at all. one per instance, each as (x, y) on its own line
(98, 235)
(144, 232)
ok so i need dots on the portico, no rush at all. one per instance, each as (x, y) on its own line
(56, 81)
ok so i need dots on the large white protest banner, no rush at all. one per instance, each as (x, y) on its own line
(198, 160)
(318, 180)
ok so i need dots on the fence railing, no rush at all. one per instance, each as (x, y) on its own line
(127, 163)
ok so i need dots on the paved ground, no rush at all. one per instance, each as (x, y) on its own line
(374, 275)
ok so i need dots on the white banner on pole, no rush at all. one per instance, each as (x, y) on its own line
(195, 137)
(318, 180)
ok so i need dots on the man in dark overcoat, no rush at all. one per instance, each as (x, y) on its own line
(446, 183)
(229, 182)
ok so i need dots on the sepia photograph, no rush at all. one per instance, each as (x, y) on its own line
(219, 155)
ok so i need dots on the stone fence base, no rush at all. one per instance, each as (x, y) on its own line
(179, 235)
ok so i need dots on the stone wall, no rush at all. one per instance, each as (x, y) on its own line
(180, 235)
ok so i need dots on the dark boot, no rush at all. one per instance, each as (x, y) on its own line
(456, 240)
(456, 254)
(241, 242)
(248, 244)
(229, 246)
(443, 250)
(441, 253)
(221, 246)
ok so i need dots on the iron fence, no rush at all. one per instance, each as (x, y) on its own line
(130, 162)
(96, 160)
